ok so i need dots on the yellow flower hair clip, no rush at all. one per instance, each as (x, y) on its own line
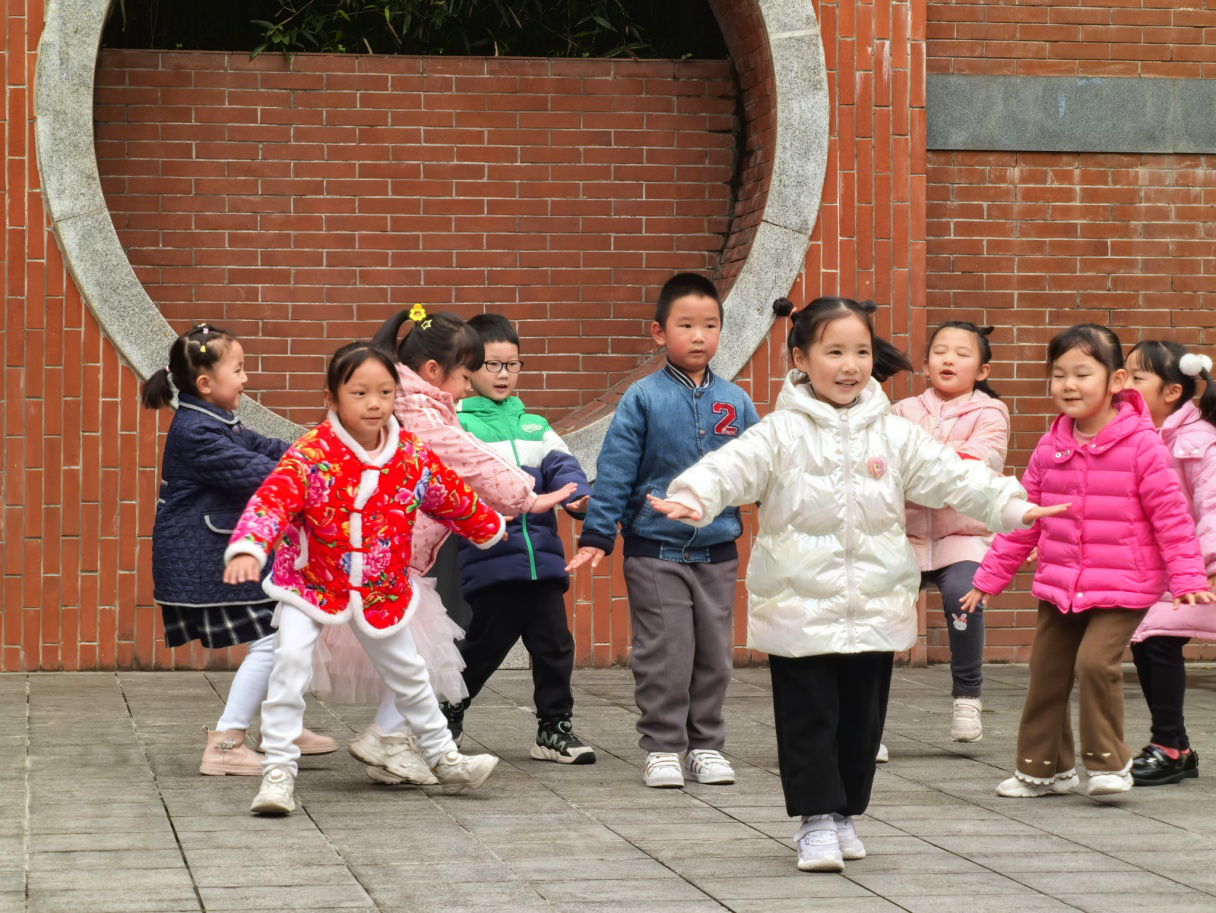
(417, 313)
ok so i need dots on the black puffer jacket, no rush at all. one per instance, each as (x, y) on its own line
(211, 467)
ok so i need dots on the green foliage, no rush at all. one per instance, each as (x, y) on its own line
(563, 28)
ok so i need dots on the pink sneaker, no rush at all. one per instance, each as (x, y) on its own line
(311, 743)
(227, 754)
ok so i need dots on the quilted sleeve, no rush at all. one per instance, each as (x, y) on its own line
(219, 460)
(1200, 475)
(267, 446)
(989, 442)
(616, 472)
(1166, 509)
(735, 474)
(456, 506)
(558, 467)
(276, 504)
(1010, 550)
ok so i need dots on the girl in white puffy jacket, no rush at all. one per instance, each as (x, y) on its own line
(833, 582)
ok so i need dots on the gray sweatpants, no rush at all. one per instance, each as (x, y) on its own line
(682, 624)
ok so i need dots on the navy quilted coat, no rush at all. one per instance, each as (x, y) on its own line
(211, 467)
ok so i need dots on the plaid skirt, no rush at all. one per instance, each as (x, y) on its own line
(217, 626)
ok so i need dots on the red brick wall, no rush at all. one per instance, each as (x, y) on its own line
(302, 206)
(1085, 38)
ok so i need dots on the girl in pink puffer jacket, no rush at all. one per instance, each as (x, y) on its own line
(1164, 373)
(1126, 537)
(960, 410)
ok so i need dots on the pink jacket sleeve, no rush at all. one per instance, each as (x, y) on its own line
(1166, 509)
(1010, 550)
(990, 440)
(1200, 475)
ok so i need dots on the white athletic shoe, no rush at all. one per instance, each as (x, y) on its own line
(965, 725)
(851, 846)
(394, 756)
(663, 770)
(1108, 784)
(709, 766)
(819, 845)
(457, 772)
(1017, 788)
(277, 795)
(883, 757)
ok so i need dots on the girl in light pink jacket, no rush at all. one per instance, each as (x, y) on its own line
(435, 359)
(960, 410)
(1123, 537)
(1164, 373)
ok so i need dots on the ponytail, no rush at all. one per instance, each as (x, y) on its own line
(157, 391)
(1200, 366)
(441, 337)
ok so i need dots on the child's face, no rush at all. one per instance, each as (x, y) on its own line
(1081, 387)
(223, 383)
(1161, 399)
(840, 362)
(365, 402)
(499, 384)
(953, 366)
(455, 383)
(690, 333)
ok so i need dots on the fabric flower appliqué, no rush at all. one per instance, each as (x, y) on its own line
(877, 467)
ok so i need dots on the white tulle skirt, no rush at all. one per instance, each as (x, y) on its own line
(342, 673)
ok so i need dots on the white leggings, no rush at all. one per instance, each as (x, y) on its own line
(248, 686)
(395, 658)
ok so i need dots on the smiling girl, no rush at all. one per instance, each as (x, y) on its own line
(832, 581)
(1121, 536)
(960, 410)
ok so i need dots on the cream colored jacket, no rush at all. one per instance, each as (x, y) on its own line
(831, 570)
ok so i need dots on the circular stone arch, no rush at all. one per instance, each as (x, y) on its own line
(778, 55)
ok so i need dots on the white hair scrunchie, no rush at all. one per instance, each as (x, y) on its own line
(1193, 365)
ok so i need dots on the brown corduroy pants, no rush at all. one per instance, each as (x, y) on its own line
(1088, 646)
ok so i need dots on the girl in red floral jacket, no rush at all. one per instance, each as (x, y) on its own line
(343, 500)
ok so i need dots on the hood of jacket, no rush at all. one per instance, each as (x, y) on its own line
(869, 406)
(415, 393)
(1186, 433)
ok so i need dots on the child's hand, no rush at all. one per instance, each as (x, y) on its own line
(552, 499)
(974, 599)
(242, 569)
(1030, 559)
(579, 506)
(1038, 513)
(1212, 583)
(1193, 598)
(585, 554)
(673, 510)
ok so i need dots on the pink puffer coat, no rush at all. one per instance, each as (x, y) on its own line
(977, 427)
(431, 414)
(1127, 537)
(1192, 444)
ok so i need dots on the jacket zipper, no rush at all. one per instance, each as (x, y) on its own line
(849, 524)
(523, 517)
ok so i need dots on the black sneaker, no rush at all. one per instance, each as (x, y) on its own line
(556, 741)
(455, 717)
(1155, 768)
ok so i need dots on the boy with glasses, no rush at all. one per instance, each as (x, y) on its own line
(516, 589)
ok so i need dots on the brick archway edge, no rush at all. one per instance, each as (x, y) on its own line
(779, 45)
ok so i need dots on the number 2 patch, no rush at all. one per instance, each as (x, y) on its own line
(726, 424)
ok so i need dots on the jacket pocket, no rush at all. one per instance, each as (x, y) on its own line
(223, 523)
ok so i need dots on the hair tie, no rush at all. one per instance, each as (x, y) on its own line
(1192, 364)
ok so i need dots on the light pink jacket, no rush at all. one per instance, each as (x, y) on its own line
(977, 427)
(1192, 445)
(1126, 536)
(431, 414)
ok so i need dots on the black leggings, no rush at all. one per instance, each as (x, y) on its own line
(1163, 680)
(966, 631)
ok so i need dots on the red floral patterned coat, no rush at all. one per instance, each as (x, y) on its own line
(346, 520)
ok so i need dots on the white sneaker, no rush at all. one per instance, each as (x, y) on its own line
(1017, 788)
(709, 766)
(819, 845)
(457, 772)
(851, 846)
(1107, 784)
(883, 757)
(394, 756)
(277, 795)
(965, 725)
(663, 770)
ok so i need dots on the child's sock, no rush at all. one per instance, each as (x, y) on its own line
(1172, 753)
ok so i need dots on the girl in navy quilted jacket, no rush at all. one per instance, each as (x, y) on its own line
(211, 467)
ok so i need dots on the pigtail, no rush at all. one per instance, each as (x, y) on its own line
(1200, 366)
(385, 338)
(888, 360)
(157, 390)
(783, 307)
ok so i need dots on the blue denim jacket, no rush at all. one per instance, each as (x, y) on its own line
(663, 425)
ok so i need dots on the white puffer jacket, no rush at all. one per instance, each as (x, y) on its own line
(831, 570)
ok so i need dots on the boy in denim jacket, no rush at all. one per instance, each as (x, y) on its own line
(680, 581)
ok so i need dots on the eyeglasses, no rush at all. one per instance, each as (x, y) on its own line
(494, 367)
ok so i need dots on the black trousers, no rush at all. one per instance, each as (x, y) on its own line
(1162, 674)
(535, 611)
(829, 711)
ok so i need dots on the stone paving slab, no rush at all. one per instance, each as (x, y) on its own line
(139, 830)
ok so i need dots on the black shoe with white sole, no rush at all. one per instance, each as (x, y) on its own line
(556, 741)
(454, 713)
